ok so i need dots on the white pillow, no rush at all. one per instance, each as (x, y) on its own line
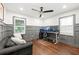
(18, 36)
(17, 40)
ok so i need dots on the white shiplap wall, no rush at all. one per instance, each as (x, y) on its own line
(54, 20)
(29, 20)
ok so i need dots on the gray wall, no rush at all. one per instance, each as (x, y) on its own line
(67, 40)
(32, 32)
(77, 35)
(71, 40)
(5, 30)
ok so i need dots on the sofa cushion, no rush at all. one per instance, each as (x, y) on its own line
(3, 43)
(18, 40)
(10, 43)
(18, 36)
(26, 38)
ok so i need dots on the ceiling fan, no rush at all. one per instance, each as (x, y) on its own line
(42, 11)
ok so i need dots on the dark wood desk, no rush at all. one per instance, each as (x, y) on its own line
(56, 36)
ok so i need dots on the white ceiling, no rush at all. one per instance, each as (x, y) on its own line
(57, 7)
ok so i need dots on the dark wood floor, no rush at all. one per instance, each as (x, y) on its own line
(41, 47)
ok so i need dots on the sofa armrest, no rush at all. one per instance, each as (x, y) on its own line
(14, 48)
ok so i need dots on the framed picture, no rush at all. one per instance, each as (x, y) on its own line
(19, 24)
(1, 12)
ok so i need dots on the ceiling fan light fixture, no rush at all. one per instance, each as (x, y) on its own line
(64, 6)
(21, 9)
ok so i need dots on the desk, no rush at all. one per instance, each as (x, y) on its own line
(56, 35)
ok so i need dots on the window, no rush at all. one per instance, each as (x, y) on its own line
(19, 25)
(67, 25)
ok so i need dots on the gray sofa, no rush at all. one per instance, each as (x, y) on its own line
(7, 48)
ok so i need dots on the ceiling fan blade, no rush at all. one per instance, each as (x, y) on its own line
(48, 11)
(36, 10)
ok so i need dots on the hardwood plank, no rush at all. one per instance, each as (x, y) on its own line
(41, 47)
